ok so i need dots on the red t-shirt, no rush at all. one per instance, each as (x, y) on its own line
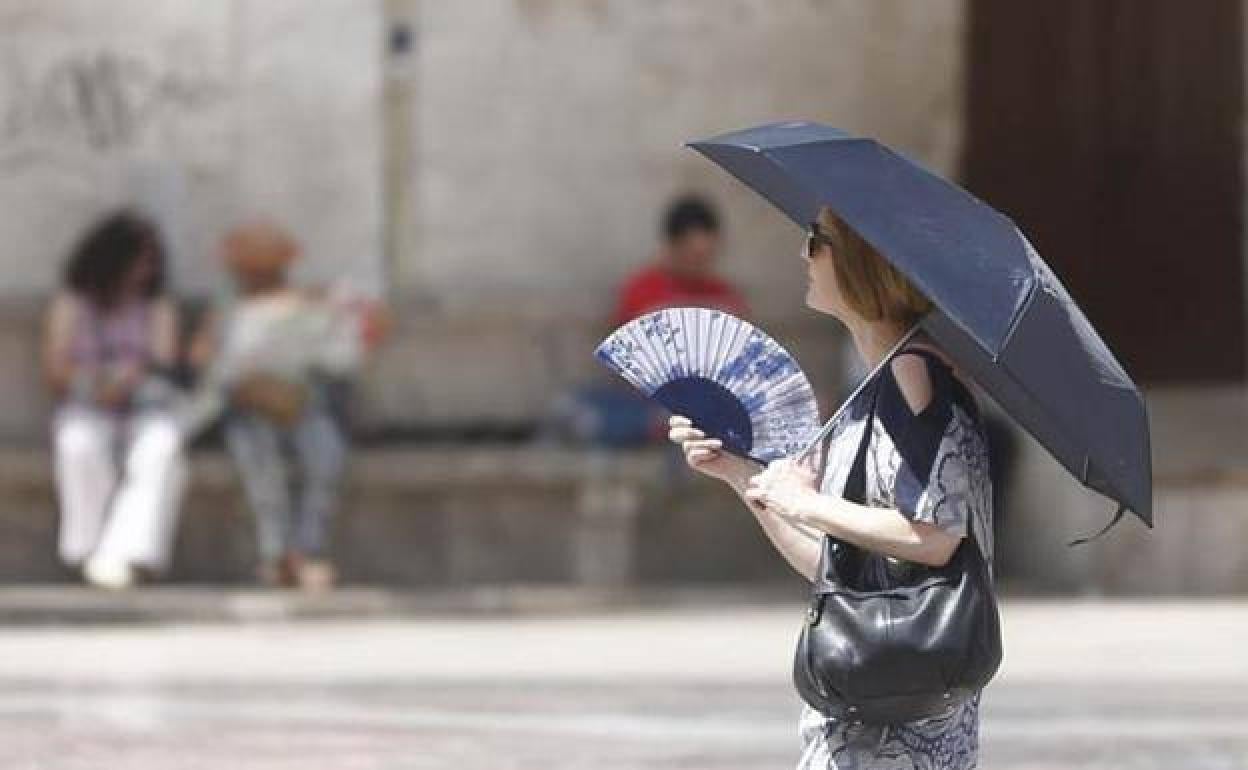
(654, 288)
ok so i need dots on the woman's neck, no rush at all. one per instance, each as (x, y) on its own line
(115, 305)
(874, 339)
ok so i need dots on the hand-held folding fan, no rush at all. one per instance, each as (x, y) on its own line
(733, 381)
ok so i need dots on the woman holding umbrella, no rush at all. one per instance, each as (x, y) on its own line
(926, 480)
(935, 287)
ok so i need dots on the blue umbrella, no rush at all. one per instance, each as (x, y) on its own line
(1000, 311)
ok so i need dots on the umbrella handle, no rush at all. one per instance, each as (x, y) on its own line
(805, 454)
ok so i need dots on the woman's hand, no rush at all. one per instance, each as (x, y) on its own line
(786, 488)
(707, 455)
(116, 387)
(799, 547)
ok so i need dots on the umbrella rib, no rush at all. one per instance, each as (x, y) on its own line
(1016, 321)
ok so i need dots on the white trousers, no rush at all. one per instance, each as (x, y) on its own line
(120, 482)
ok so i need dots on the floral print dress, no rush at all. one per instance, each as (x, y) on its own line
(933, 467)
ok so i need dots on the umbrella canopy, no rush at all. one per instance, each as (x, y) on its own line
(1000, 311)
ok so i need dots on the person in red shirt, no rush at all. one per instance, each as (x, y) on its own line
(682, 273)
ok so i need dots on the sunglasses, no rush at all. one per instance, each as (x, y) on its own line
(815, 237)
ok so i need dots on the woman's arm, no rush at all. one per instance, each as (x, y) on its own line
(164, 340)
(799, 544)
(205, 341)
(58, 331)
(882, 530)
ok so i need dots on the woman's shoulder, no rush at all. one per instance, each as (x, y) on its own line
(62, 316)
(67, 306)
(927, 379)
(915, 404)
(67, 298)
(910, 372)
(916, 385)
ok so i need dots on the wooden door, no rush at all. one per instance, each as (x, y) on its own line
(1111, 132)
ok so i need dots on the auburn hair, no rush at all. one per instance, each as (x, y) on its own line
(869, 283)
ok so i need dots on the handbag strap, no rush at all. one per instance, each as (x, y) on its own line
(855, 483)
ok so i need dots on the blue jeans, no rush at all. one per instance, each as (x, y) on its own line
(261, 449)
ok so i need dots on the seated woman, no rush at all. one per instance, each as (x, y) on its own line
(272, 359)
(110, 334)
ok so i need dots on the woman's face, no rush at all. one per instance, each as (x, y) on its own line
(139, 275)
(823, 293)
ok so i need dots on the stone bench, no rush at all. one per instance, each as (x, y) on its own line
(501, 515)
(450, 515)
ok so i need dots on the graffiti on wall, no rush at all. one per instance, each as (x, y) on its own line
(192, 115)
(97, 101)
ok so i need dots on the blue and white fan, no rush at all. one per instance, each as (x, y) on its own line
(733, 381)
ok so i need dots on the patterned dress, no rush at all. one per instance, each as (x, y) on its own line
(932, 466)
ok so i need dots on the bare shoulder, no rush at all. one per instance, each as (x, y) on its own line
(913, 380)
(913, 374)
(63, 309)
(64, 301)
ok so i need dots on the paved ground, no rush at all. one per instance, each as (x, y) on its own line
(1085, 684)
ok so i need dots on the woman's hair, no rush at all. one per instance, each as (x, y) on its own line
(104, 257)
(871, 286)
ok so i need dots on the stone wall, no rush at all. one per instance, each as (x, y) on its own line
(548, 134)
(534, 144)
(200, 113)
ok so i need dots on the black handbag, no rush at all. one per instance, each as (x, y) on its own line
(910, 646)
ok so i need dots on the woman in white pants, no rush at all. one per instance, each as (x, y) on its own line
(110, 334)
